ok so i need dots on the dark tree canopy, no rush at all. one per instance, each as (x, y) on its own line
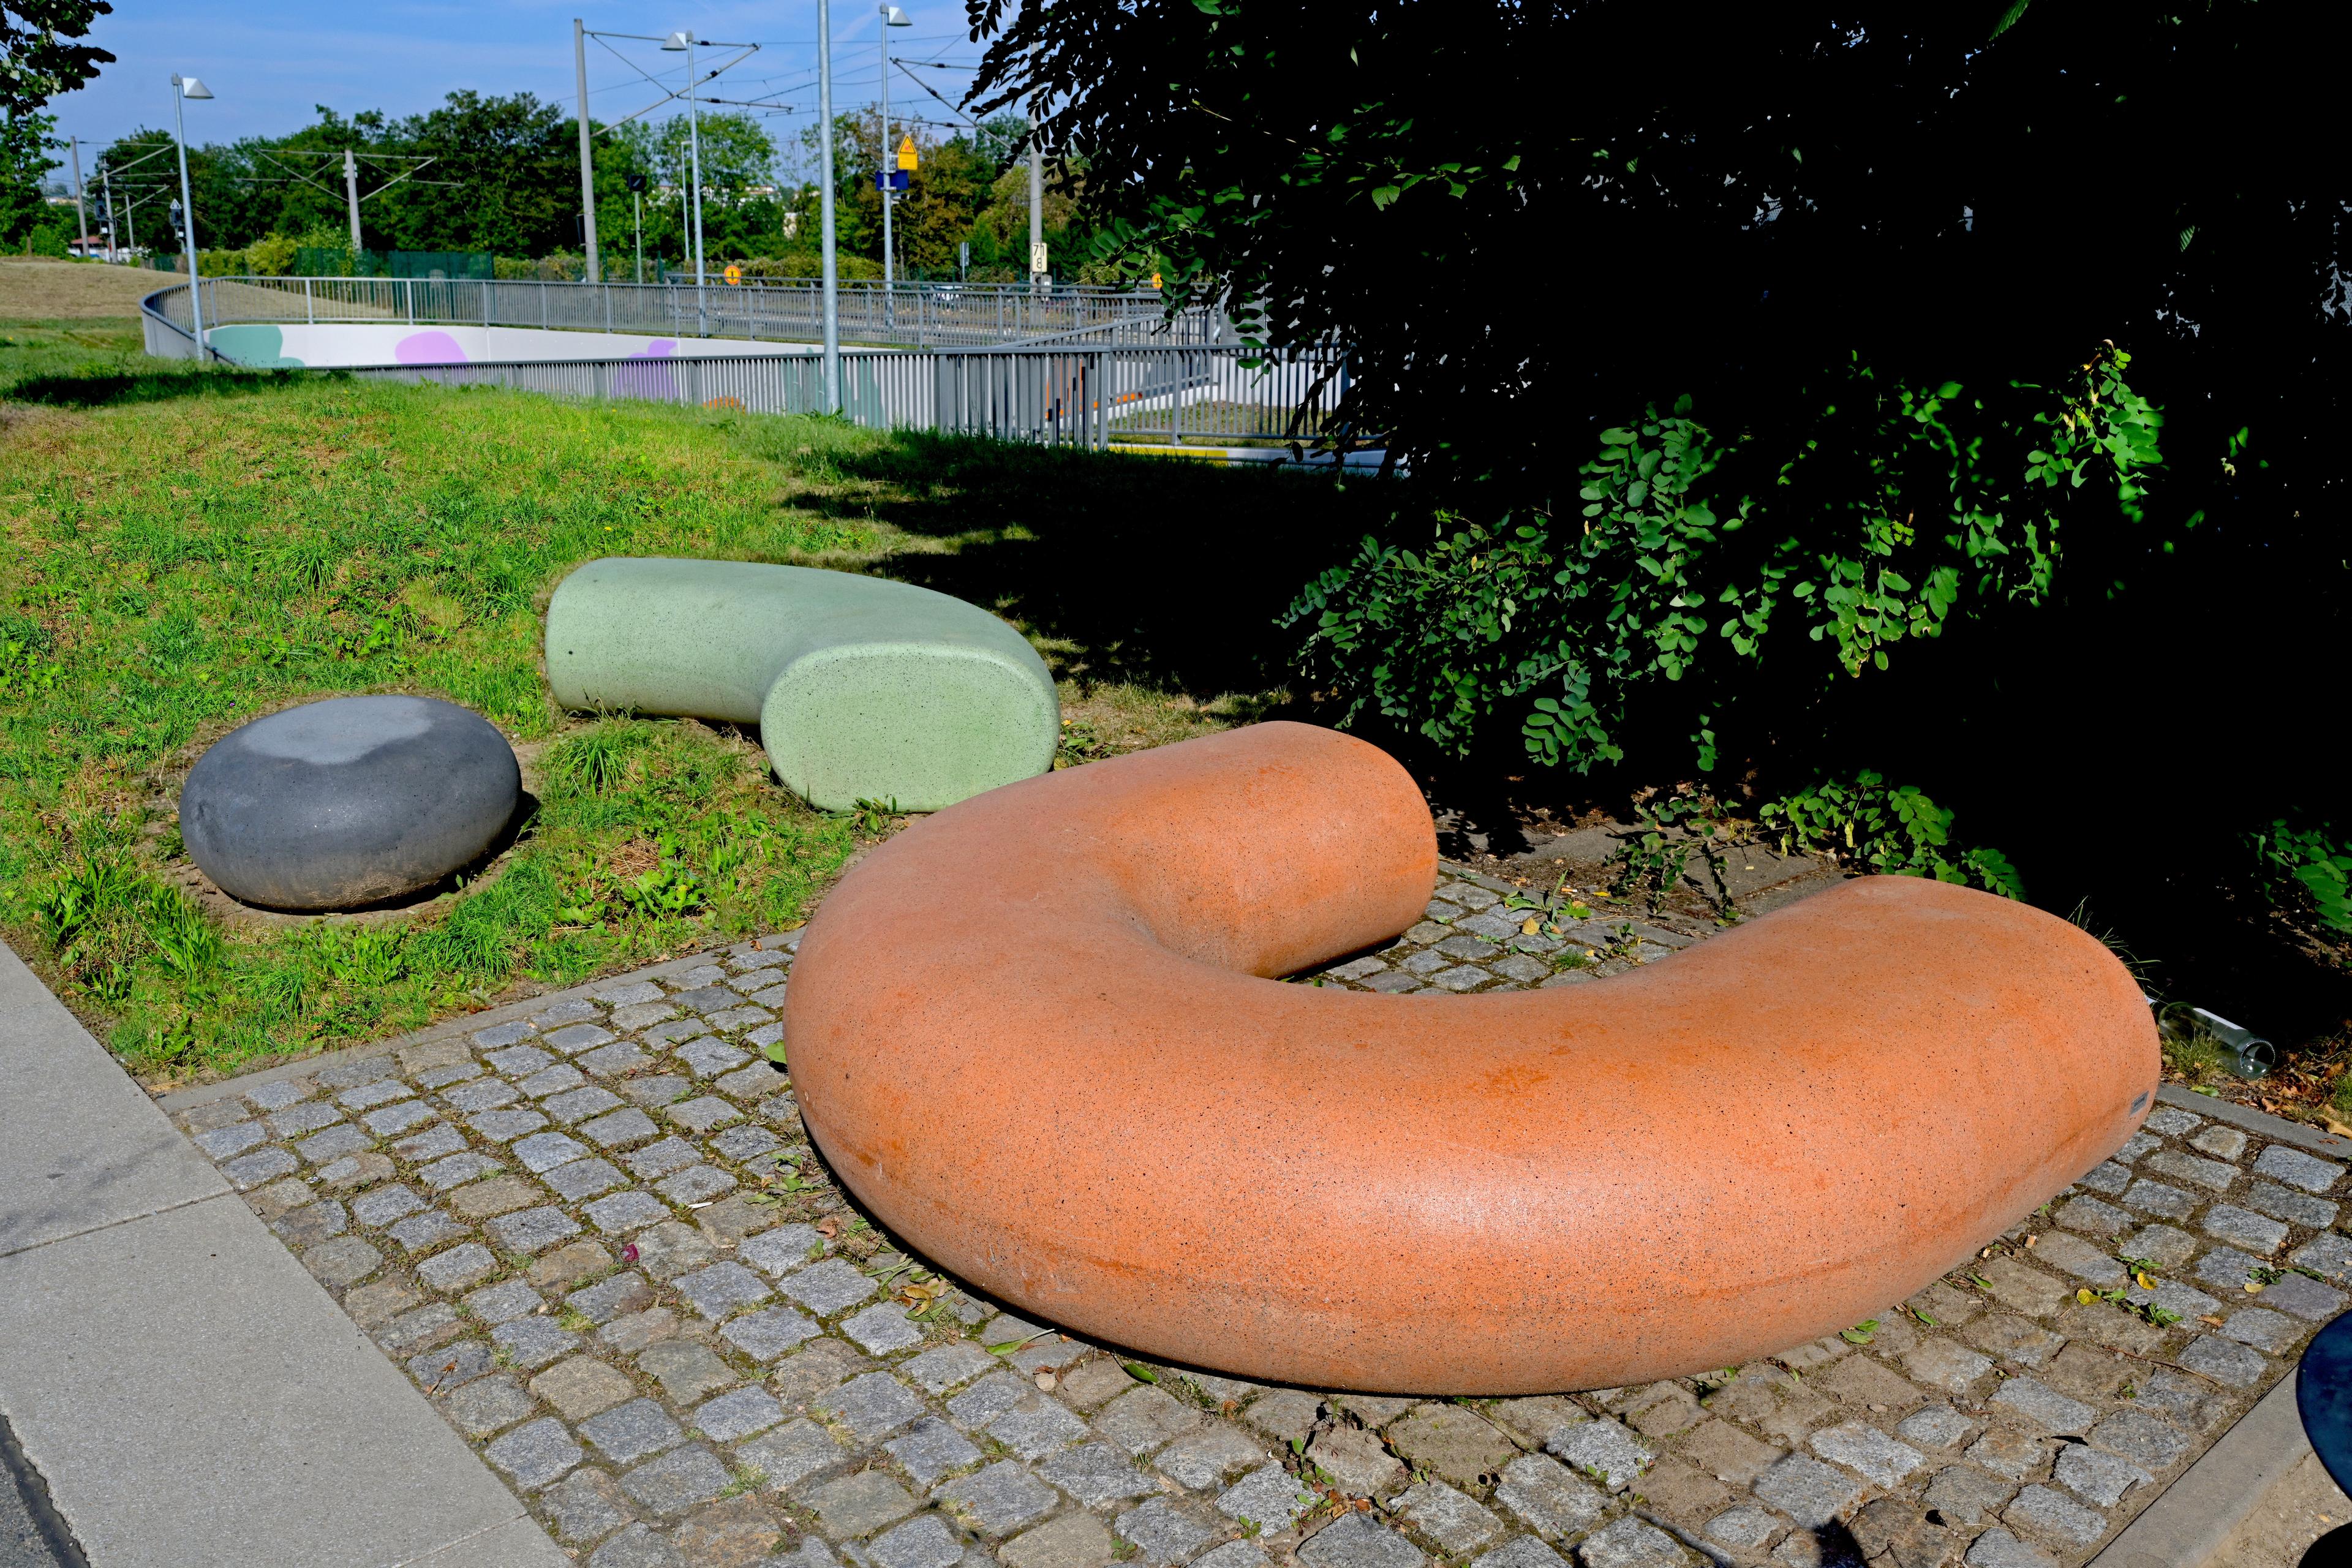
(1523, 214)
(1533, 221)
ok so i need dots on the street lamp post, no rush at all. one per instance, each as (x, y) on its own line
(184, 88)
(81, 213)
(832, 284)
(637, 184)
(677, 41)
(1037, 208)
(891, 18)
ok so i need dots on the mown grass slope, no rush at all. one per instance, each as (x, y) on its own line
(188, 550)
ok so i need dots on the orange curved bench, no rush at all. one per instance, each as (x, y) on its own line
(1034, 1034)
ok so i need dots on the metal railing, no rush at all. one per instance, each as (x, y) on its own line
(1088, 394)
(920, 315)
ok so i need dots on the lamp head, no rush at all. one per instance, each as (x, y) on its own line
(894, 17)
(191, 88)
(677, 42)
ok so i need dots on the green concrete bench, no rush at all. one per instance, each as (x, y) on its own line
(862, 688)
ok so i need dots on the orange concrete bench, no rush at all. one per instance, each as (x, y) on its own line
(1037, 1034)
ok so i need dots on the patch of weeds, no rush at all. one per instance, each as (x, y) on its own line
(1674, 827)
(2119, 1297)
(872, 818)
(743, 1478)
(1079, 744)
(2190, 1050)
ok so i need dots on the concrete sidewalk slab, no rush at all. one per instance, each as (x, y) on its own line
(85, 1147)
(190, 1395)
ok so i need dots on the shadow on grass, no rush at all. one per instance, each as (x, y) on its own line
(84, 391)
(1156, 570)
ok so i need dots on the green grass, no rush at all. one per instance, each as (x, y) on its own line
(187, 550)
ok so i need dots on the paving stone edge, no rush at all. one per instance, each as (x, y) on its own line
(464, 1024)
(2190, 1520)
(303, 1066)
(2277, 1128)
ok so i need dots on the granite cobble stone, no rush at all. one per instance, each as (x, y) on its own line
(695, 1184)
(1807, 1490)
(432, 1144)
(793, 1453)
(249, 1171)
(582, 1179)
(2297, 1169)
(2225, 1363)
(1357, 1541)
(677, 1480)
(2045, 1512)
(626, 1212)
(1162, 1535)
(1269, 1498)
(928, 1541)
(931, 1450)
(1548, 1498)
(459, 1268)
(829, 1287)
(872, 1407)
(531, 1343)
(631, 1431)
(2244, 1228)
(721, 1290)
(535, 1455)
(532, 1230)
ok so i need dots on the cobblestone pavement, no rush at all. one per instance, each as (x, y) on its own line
(598, 1240)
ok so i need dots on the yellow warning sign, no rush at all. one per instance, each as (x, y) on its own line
(734, 273)
(907, 152)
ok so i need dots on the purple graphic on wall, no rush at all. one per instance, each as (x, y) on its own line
(647, 379)
(429, 348)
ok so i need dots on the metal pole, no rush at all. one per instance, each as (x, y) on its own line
(639, 199)
(351, 196)
(832, 284)
(1036, 204)
(587, 171)
(81, 214)
(188, 219)
(890, 166)
(694, 142)
(105, 185)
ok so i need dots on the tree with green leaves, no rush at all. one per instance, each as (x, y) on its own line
(42, 53)
(1886, 253)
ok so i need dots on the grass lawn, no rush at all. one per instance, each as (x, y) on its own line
(187, 550)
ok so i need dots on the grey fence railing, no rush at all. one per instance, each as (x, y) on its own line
(915, 314)
(1076, 392)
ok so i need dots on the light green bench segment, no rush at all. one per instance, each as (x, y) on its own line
(862, 688)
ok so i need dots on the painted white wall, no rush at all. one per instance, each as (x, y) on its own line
(333, 346)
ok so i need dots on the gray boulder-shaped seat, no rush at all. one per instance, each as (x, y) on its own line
(348, 802)
(862, 688)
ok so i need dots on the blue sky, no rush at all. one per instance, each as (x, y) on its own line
(268, 61)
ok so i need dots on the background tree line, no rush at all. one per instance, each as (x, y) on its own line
(503, 178)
